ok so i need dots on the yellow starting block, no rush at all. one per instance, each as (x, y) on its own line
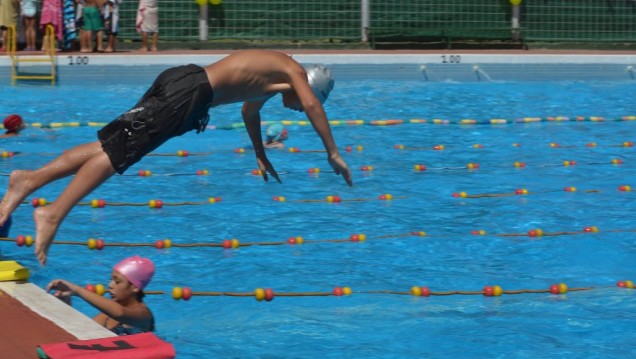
(12, 271)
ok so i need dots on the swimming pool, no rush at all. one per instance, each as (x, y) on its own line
(381, 318)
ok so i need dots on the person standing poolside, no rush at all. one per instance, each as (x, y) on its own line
(92, 22)
(148, 23)
(9, 11)
(28, 11)
(178, 102)
(111, 23)
(51, 14)
(125, 313)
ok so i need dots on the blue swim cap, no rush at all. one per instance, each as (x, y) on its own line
(275, 131)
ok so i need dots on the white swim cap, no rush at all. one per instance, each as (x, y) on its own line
(320, 80)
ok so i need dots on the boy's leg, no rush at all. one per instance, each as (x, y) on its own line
(82, 40)
(29, 25)
(45, 43)
(33, 34)
(88, 41)
(99, 40)
(110, 45)
(83, 45)
(4, 38)
(23, 183)
(47, 219)
(144, 41)
(155, 36)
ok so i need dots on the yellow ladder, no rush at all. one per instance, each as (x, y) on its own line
(48, 57)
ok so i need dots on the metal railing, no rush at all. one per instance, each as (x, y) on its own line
(48, 57)
(367, 20)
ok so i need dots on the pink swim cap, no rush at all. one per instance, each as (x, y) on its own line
(138, 270)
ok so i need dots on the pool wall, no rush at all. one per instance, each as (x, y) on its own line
(463, 67)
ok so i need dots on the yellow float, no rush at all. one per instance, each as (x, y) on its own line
(13, 271)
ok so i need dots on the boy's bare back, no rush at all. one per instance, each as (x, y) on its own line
(252, 75)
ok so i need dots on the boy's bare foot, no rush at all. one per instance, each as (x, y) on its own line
(143, 49)
(45, 229)
(19, 188)
(108, 49)
(153, 49)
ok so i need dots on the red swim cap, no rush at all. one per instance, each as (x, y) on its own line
(12, 123)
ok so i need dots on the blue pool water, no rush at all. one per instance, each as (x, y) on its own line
(377, 320)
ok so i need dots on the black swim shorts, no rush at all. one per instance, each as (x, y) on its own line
(177, 102)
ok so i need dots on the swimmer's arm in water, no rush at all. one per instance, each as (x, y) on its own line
(274, 145)
(252, 120)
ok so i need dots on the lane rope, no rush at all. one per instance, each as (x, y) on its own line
(268, 294)
(378, 122)
(234, 243)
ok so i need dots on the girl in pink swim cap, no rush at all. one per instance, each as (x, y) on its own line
(125, 313)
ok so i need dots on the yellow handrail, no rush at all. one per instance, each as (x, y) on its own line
(49, 57)
(11, 39)
(50, 39)
(11, 45)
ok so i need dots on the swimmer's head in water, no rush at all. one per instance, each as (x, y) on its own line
(137, 270)
(320, 80)
(13, 123)
(276, 132)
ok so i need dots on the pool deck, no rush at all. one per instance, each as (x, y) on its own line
(131, 57)
(430, 65)
(30, 316)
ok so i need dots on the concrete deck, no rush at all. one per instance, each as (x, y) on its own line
(30, 316)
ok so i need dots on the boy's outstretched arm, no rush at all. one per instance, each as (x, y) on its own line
(252, 120)
(340, 168)
(127, 315)
(318, 118)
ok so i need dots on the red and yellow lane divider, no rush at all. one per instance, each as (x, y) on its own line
(153, 203)
(234, 243)
(442, 147)
(338, 199)
(268, 294)
(157, 203)
(526, 192)
(420, 167)
(348, 148)
(370, 168)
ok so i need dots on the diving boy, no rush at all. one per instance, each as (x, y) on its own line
(178, 102)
